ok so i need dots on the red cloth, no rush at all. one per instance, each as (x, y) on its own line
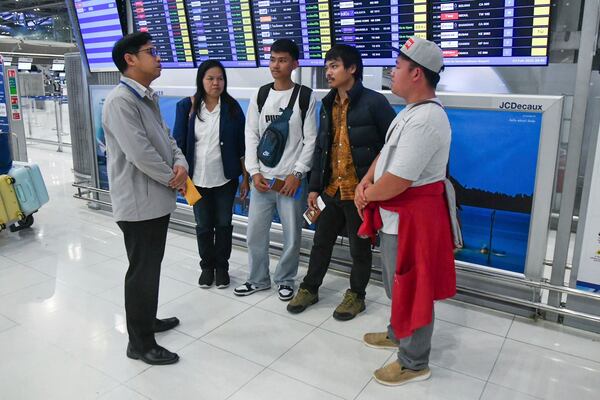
(425, 268)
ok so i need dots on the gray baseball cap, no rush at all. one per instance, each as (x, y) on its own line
(424, 53)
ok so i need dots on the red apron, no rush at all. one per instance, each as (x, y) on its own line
(425, 268)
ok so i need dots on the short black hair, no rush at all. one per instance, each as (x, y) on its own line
(286, 46)
(128, 44)
(433, 78)
(349, 56)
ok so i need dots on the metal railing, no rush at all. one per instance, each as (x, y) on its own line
(87, 193)
(46, 120)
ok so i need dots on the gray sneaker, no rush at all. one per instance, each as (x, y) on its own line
(301, 301)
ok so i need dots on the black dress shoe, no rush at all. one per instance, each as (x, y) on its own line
(155, 356)
(161, 325)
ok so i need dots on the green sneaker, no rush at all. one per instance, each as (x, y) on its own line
(301, 301)
(349, 307)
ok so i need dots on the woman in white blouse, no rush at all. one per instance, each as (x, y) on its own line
(209, 129)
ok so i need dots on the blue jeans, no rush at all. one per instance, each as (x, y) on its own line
(213, 215)
(260, 216)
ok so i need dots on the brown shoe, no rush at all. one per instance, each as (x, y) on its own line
(395, 374)
(301, 301)
(379, 340)
(350, 307)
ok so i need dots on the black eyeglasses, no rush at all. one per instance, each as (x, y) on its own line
(150, 50)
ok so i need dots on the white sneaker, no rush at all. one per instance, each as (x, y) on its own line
(247, 289)
(286, 293)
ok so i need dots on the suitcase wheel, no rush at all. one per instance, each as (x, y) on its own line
(2, 227)
(23, 224)
(22, 217)
(28, 222)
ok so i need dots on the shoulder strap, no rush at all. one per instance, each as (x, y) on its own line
(305, 93)
(390, 130)
(263, 93)
(294, 97)
(443, 108)
(428, 102)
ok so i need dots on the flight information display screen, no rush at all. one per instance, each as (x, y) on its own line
(222, 30)
(491, 32)
(374, 27)
(100, 28)
(306, 22)
(166, 21)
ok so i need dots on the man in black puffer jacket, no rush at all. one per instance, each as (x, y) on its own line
(354, 122)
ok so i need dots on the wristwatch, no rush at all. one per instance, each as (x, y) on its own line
(297, 174)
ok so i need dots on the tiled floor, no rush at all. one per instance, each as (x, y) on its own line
(62, 333)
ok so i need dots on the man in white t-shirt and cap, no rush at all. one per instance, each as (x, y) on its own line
(402, 196)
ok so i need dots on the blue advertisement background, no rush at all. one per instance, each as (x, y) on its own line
(493, 161)
(495, 154)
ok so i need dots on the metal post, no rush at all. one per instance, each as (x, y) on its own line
(58, 124)
(587, 48)
(30, 115)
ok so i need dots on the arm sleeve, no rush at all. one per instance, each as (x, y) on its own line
(124, 121)
(309, 138)
(416, 145)
(252, 137)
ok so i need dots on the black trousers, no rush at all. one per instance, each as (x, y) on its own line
(145, 243)
(336, 214)
(213, 216)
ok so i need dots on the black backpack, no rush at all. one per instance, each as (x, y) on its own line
(305, 93)
(272, 142)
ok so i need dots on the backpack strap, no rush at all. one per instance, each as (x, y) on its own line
(295, 92)
(305, 93)
(428, 102)
(263, 93)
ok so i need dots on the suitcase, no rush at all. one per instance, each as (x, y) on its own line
(29, 186)
(10, 212)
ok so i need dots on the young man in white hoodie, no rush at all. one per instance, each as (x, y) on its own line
(295, 162)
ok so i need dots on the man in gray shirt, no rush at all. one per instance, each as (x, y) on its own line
(145, 170)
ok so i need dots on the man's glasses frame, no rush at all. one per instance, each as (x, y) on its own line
(150, 50)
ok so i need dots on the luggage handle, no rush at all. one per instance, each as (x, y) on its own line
(21, 192)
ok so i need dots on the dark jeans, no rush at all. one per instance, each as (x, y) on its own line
(336, 214)
(145, 243)
(213, 224)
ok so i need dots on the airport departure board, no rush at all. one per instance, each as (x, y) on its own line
(306, 22)
(491, 32)
(100, 28)
(222, 30)
(166, 21)
(374, 27)
(239, 33)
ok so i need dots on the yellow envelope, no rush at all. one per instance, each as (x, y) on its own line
(191, 193)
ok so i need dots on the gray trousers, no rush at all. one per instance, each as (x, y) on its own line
(413, 351)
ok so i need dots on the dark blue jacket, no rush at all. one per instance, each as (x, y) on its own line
(231, 136)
